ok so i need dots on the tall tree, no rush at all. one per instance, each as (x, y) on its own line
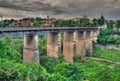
(101, 21)
(118, 25)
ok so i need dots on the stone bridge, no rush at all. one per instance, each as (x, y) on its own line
(77, 41)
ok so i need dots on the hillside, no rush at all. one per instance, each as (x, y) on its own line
(12, 68)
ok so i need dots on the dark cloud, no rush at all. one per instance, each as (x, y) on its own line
(63, 8)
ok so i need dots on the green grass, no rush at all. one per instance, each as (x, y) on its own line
(109, 54)
(100, 71)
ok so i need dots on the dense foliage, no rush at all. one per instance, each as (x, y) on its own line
(57, 66)
(13, 71)
(12, 68)
(7, 51)
(107, 37)
(110, 54)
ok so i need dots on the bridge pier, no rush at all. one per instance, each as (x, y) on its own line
(68, 50)
(80, 50)
(89, 42)
(95, 36)
(53, 44)
(30, 50)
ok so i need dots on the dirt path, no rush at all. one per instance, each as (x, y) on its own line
(104, 60)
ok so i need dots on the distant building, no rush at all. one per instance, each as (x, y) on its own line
(14, 23)
(28, 22)
(48, 22)
(21, 23)
(76, 19)
(85, 17)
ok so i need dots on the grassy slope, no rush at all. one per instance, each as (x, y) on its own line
(112, 54)
(102, 71)
(93, 70)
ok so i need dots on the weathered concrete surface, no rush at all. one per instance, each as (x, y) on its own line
(80, 50)
(89, 42)
(95, 36)
(53, 44)
(30, 50)
(68, 46)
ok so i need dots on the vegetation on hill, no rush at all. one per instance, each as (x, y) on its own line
(107, 37)
(12, 68)
(110, 54)
(51, 69)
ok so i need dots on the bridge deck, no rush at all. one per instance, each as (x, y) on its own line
(46, 29)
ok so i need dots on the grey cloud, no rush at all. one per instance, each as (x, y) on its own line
(64, 8)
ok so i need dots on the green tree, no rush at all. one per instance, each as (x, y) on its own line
(73, 72)
(7, 51)
(110, 24)
(101, 20)
(95, 22)
(118, 25)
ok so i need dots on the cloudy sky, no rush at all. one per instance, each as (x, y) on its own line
(60, 8)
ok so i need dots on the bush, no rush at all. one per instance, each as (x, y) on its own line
(42, 45)
(110, 54)
(57, 77)
(108, 73)
(50, 62)
(105, 32)
(13, 71)
(108, 40)
(73, 72)
(7, 51)
(106, 37)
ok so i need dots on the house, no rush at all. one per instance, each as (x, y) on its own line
(26, 23)
(48, 22)
(14, 23)
(76, 19)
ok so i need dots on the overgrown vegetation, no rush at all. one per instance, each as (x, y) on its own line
(110, 54)
(12, 68)
(107, 37)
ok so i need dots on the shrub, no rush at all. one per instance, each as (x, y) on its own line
(57, 77)
(7, 51)
(50, 62)
(106, 37)
(12, 71)
(73, 72)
